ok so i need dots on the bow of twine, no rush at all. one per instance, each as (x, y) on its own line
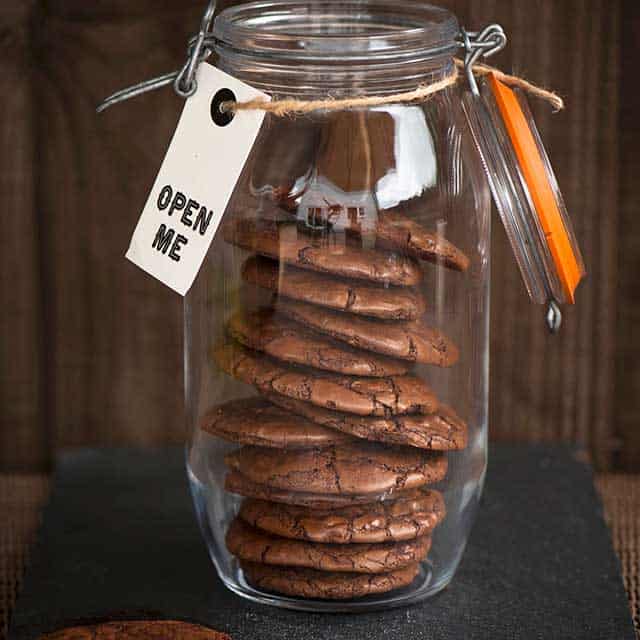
(292, 107)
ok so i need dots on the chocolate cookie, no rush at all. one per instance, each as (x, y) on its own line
(137, 630)
(283, 241)
(397, 231)
(289, 341)
(387, 303)
(414, 340)
(392, 520)
(443, 430)
(355, 468)
(241, 485)
(256, 421)
(324, 585)
(364, 396)
(252, 545)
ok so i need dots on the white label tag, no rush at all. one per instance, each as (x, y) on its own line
(194, 184)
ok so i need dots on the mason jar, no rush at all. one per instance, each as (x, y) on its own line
(337, 335)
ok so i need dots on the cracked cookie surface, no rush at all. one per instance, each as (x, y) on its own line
(397, 231)
(283, 241)
(358, 297)
(258, 422)
(442, 430)
(325, 585)
(413, 340)
(355, 468)
(137, 630)
(392, 395)
(288, 341)
(239, 484)
(392, 520)
(253, 545)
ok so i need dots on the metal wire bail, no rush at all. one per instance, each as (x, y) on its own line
(479, 44)
(184, 81)
(185, 84)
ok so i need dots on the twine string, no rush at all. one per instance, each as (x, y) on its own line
(291, 106)
(519, 83)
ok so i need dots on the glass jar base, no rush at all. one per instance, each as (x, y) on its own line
(424, 586)
(421, 588)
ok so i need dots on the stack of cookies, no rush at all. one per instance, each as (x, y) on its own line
(341, 445)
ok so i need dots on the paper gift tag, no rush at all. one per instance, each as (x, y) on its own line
(196, 180)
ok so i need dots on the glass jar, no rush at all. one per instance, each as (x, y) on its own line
(336, 338)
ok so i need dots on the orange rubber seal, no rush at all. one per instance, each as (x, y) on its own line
(534, 171)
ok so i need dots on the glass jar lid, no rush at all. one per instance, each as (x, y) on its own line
(526, 192)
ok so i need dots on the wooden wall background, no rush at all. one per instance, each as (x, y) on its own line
(91, 347)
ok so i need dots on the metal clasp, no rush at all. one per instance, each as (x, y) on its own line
(184, 80)
(481, 44)
(185, 84)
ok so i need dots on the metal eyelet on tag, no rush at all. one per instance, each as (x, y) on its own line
(219, 116)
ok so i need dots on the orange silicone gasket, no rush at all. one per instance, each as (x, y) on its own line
(535, 175)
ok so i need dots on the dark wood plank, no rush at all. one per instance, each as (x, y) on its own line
(117, 333)
(114, 335)
(627, 379)
(23, 441)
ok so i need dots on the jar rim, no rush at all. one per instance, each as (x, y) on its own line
(338, 30)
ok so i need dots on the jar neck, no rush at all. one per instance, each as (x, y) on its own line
(336, 47)
(311, 82)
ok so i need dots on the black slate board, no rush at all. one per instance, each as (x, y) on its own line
(120, 541)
